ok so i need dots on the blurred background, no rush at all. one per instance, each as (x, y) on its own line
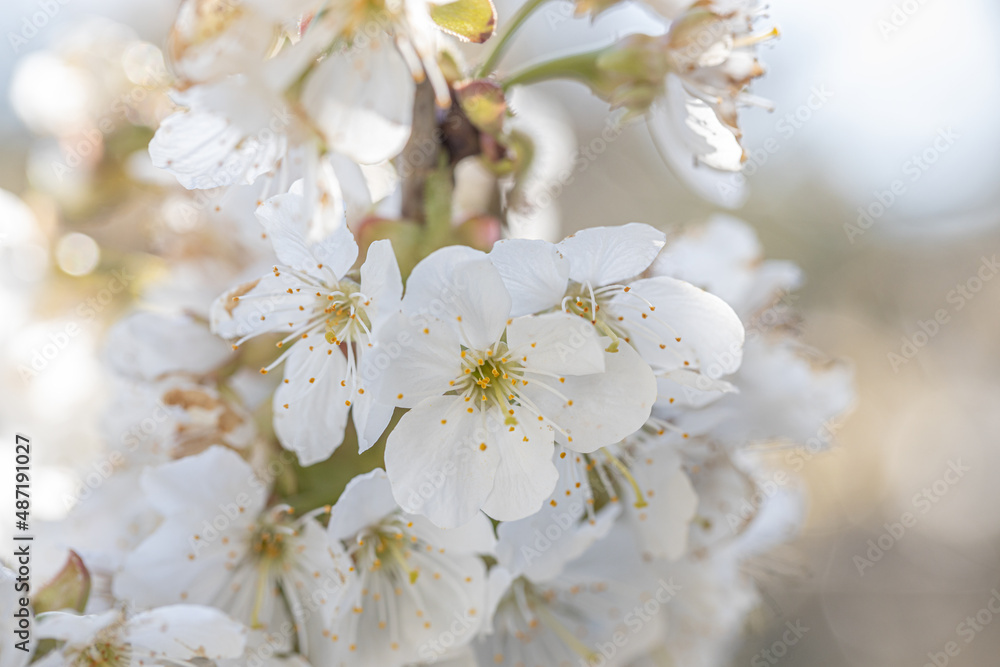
(876, 173)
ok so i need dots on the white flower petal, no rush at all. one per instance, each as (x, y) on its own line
(777, 521)
(610, 255)
(663, 524)
(362, 100)
(74, 629)
(788, 392)
(711, 334)
(526, 475)
(430, 288)
(720, 256)
(681, 388)
(540, 546)
(670, 8)
(701, 151)
(260, 306)
(182, 485)
(482, 302)
(463, 289)
(197, 56)
(185, 631)
(381, 282)
(599, 409)
(533, 271)
(557, 343)
(316, 395)
(147, 345)
(497, 584)
(463, 657)
(352, 193)
(370, 419)
(206, 147)
(366, 500)
(772, 280)
(474, 537)
(171, 565)
(285, 217)
(413, 362)
(337, 251)
(434, 461)
(405, 628)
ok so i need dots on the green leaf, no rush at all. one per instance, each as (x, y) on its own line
(68, 590)
(469, 20)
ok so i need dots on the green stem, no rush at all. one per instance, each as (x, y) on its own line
(579, 66)
(640, 501)
(504, 42)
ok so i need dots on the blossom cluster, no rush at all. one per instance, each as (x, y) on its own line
(356, 421)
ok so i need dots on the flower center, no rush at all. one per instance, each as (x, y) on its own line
(586, 302)
(272, 539)
(103, 653)
(530, 609)
(344, 307)
(489, 378)
(208, 20)
(594, 305)
(272, 546)
(385, 548)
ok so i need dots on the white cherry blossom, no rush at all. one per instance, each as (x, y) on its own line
(170, 635)
(644, 473)
(723, 256)
(219, 545)
(784, 391)
(409, 583)
(688, 336)
(702, 624)
(489, 393)
(147, 345)
(328, 317)
(712, 50)
(559, 595)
